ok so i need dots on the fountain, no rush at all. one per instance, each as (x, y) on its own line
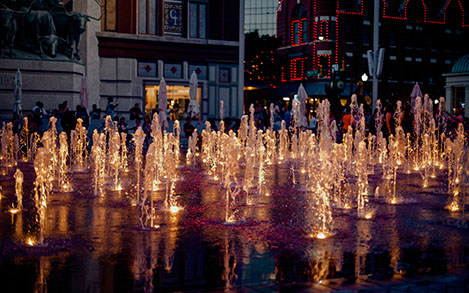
(139, 138)
(171, 162)
(24, 141)
(323, 190)
(19, 178)
(455, 154)
(192, 149)
(114, 156)
(42, 189)
(362, 182)
(62, 179)
(8, 145)
(98, 158)
(147, 211)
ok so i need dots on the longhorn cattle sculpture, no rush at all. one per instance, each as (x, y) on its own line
(41, 29)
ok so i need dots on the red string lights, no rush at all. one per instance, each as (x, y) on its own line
(297, 66)
(320, 30)
(298, 33)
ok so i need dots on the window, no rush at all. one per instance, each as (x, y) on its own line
(324, 65)
(297, 68)
(178, 99)
(198, 28)
(299, 32)
(147, 16)
(304, 34)
(296, 37)
(298, 26)
(324, 29)
(109, 20)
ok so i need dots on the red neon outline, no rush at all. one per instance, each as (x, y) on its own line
(293, 69)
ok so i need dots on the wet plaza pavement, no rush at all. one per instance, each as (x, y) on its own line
(96, 244)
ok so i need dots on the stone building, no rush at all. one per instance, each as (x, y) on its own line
(126, 54)
(142, 41)
(457, 86)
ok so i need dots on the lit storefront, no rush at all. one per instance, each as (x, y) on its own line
(178, 99)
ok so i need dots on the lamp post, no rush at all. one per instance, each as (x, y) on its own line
(364, 77)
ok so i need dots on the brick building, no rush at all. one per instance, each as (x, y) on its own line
(422, 39)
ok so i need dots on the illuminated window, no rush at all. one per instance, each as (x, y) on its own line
(178, 99)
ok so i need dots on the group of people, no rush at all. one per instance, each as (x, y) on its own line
(66, 119)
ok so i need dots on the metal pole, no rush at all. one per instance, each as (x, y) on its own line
(240, 104)
(375, 51)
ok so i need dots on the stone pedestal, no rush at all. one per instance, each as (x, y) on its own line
(50, 82)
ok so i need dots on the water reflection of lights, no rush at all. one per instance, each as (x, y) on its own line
(321, 235)
(454, 207)
(29, 241)
(14, 210)
(174, 209)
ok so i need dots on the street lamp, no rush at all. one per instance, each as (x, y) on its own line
(321, 38)
(364, 77)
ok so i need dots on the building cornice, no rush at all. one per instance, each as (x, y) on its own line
(167, 39)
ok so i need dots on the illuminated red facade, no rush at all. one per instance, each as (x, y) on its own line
(422, 39)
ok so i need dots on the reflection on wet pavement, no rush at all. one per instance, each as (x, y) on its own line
(96, 243)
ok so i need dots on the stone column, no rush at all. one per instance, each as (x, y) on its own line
(466, 101)
(89, 48)
(449, 99)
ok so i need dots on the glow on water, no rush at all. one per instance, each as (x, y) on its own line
(174, 209)
(30, 241)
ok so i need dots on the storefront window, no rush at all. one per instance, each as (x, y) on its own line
(178, 100)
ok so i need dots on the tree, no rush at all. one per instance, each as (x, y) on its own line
(262, 63)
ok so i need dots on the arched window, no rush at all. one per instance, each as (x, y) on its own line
(299, 26)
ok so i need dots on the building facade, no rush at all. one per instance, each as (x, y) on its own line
(143, 41)
(126, 51)
(261, 15)
(457, 86)
(324, 41)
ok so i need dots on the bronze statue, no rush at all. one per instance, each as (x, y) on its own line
(41, 27)
(70, 27)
